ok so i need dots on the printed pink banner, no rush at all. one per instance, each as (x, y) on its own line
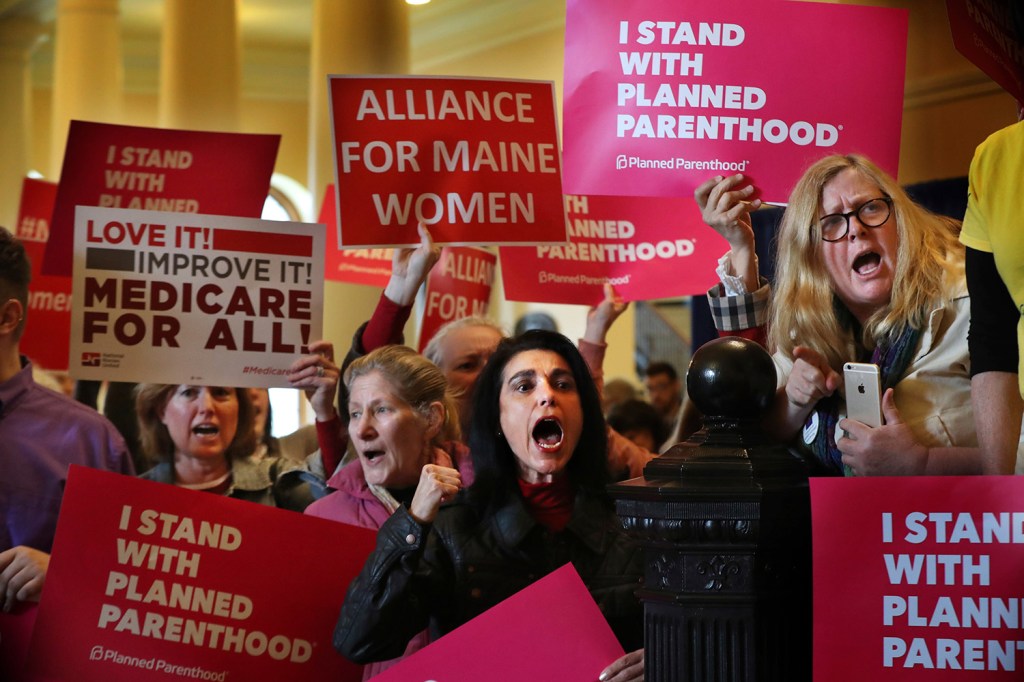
(552, 630)
(458, 286)
(991, 35)
(646, 247)
(48, 326)
(355, 266)
(475, 160)
(661, 95)
(149, 581)
(918, 578)
(183, 298)
(156, 169)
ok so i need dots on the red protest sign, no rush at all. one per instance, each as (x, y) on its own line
(499, 636)
(171, 297)
(48, 323)
(355, 266)
(148, 580)
(16, 628)
(918, 578)
(156, 169)
(991, 35)
(645, 247)
(475, 160)
(656, 105)
(458, 286)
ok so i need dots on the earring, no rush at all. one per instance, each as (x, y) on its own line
(500, 434)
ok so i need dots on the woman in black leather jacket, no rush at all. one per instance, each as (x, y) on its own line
(539, 452)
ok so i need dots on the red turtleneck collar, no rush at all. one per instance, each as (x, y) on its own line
(549, 503)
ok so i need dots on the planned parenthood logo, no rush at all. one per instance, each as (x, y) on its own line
(623, 162)
(194, 672)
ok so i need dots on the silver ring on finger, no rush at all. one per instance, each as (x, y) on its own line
(319, 370)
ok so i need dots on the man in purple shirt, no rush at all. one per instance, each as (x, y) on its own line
(41, 433)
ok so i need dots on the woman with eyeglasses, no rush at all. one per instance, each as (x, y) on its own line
(863, 275)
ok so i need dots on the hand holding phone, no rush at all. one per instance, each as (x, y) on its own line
(863, 392)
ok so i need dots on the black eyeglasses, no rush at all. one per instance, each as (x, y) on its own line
(873, 213)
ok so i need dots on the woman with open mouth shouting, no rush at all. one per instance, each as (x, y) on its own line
(202, 437)
(404, 428)
(538, 501)
(864, 275)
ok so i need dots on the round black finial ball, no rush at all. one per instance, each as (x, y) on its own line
(731, 377)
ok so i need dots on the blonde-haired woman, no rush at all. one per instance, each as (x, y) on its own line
(404, 426)
(863, 274)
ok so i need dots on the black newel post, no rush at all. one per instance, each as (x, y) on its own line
(724, 519)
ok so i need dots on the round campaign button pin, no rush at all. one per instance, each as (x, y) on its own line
(811, 428)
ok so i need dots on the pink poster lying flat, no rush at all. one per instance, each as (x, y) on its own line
(552, 630)
(48, 327)
(475, 160)
(661, 95)
(918, 579)
(157, 169)
(355, 266)
(458, 286)
(991, 35)
(645, 247)
(151, 582)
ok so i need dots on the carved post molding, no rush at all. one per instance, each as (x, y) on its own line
(724, 520)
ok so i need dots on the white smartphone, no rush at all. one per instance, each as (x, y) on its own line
(863, 393)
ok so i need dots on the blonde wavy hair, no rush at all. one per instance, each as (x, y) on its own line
(416, 380)
(805, 309)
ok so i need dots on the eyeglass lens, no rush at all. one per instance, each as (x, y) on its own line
(873, 213)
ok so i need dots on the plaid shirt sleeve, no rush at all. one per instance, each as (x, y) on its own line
(739, 312)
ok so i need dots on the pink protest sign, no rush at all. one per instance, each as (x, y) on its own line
(552, 630)
(918, 578)
(458, 286)
(156, 169)
(355, 266)
(148, 581)
(991, 35)
(663, 94)
(48, 327)
(184, 298)
(475, 160)
(645, 247)
(15, 637)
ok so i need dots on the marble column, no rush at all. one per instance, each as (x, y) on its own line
(348, 37)
(200, 65)
(88, 73)
(18, 38)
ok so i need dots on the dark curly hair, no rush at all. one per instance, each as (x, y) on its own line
(494, 463)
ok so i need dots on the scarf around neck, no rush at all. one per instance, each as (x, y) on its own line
(893, 357)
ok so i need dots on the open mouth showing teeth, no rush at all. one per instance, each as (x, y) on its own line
(548, 434)
(206, 430)
(373, 454)
(866, 262)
